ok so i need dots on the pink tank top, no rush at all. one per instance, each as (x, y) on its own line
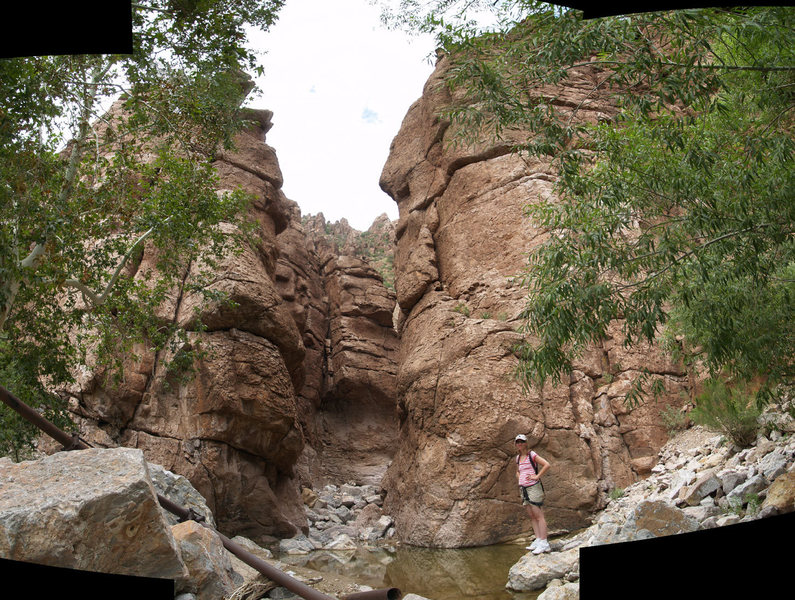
(526, 469)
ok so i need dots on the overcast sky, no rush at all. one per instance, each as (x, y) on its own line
(339, 85)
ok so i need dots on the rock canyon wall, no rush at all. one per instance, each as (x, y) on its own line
(345, 311)
(461, 237)
(297, 384)
(324, 369)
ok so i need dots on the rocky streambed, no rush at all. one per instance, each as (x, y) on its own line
(340, 517)
(700, 482)
(349, 535)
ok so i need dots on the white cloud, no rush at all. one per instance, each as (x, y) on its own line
(325, 62)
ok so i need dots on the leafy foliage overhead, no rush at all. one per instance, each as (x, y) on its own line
(83, 191)
(674, 213)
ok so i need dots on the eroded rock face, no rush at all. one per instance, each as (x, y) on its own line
(461, 237)
(232, 429)
(342, 306)
(297, 381)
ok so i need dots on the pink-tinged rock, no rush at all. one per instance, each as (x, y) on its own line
(210, 572)
(462, 238)
(232, 429)
(327, 275)
(660, 518)
(781, 494)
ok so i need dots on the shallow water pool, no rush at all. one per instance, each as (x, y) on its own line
(438, 574)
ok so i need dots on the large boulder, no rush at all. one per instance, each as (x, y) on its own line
(781, 494)
(660, 518)
(211, 575)
(534, 572)
(94, 510)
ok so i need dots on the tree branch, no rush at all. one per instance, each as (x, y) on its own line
(88, 293)
(693, 252)
(125, 259)
(99, 299)
(763, 69)
(11, 288)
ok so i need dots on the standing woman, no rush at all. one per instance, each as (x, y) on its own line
(529, 476)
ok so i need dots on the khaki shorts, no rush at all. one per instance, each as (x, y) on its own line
(532, 494)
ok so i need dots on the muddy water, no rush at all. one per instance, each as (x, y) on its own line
(438, 574)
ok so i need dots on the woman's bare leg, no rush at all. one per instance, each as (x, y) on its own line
(538, 521)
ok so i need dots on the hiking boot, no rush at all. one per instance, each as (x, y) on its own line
(542, 546)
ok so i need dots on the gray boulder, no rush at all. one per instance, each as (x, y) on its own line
(774, 464)
(731, 479)
(94, 510)
(753, 486)
(707, 483)
(180, 491)
(534, 572)
(299, 544)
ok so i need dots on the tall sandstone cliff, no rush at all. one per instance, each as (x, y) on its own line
(345, 311)
(297, 380)
(461, 237)
(325, 369)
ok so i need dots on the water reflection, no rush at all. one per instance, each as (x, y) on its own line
(438, 574)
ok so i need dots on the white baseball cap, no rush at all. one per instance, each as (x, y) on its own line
(521, 438)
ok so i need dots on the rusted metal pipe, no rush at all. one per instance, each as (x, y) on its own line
(72, 442)
(271, 572)
(268, 570)
(384, 594)
(34, 417)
